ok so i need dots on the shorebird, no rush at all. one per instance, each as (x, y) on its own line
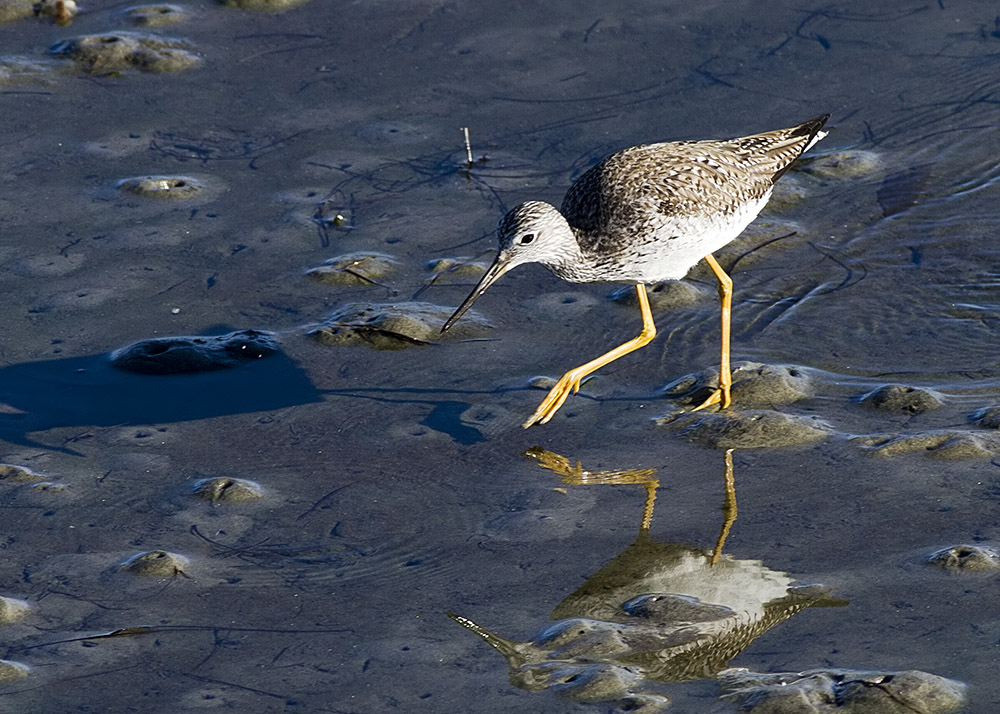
(643, 215)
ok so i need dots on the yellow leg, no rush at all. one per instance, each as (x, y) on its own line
(570, 382)
(728, 508)
(721, 394)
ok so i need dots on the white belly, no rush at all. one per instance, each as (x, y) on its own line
(680, 243)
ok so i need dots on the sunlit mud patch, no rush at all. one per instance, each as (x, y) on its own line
(561, 304)
(13, 610)
(394, 326)
(366, 268)
(860, 692)
(903, 399)
(801, 185)
(966, 558)
(25, 489)
(850, 163)
(938, 444)
(754, 385)
(49, 487)
(18, 474)
(165, 187)
(793, 189)
(446, 271)
(457, 267)
(667, 295)
(753, 429)
(11, 10)
(227, 490)
(155, 564)
(188, 355)
(12, 671)
(154, 15)
(119, 51)
(263, 5)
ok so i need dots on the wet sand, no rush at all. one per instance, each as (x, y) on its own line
(146, 196)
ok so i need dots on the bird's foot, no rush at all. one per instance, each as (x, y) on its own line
(720, 396)
(568, 383)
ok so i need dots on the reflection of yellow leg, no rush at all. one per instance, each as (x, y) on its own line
(721, 394)
(576, 475)
(570, 382)
(728, 508)
(647, 508)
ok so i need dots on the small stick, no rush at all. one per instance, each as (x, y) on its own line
(468, 148)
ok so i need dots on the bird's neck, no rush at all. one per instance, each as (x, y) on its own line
(573, 263)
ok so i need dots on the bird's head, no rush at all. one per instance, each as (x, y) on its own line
(534, 232)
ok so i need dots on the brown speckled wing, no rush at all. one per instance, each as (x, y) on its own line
(680, 180)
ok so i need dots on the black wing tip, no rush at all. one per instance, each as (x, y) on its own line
(807, 129)
(812, 126)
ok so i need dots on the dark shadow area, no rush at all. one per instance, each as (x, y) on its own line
(446, 417)
(88, 391)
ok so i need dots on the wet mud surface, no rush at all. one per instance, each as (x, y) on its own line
(845, 691)
(288, 180)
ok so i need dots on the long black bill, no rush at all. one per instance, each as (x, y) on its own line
(498, 268)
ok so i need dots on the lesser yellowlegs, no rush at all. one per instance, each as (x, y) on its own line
(644, 215)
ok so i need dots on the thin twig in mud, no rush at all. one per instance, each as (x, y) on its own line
(469, 161)
(468, 148)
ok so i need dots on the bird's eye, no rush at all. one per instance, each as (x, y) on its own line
(527, 238)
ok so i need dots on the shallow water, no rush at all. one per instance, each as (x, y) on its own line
(394, 484)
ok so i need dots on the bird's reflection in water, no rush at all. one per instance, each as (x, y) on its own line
(657, 612)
